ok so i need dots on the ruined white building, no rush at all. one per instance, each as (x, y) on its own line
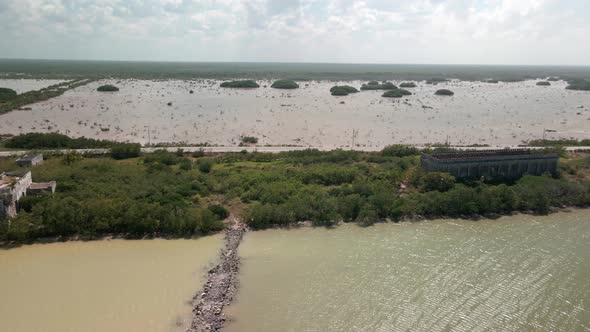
(14, 185)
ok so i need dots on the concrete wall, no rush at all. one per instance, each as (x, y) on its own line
(512, 168)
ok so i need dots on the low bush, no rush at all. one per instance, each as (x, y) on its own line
(240, 84)
(342, 90)
(444, 92)
(107, 88)
(284, 84)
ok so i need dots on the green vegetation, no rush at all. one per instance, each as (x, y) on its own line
(6, 94)
(491, 81)
(583, 85)
(397, 93)
(373, 85)
(107, 88)
(249, 140)
(444, 92)
(98, 197)
(559, 142)
(240, 84)
(285, 84)
(125, 150)
(407, 85)
(342, 90)
(543, 83)
(31, 97)
(40, 141)
(156, 195)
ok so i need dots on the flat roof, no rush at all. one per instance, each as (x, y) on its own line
(490, 154)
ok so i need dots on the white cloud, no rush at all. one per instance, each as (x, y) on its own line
(434, 31)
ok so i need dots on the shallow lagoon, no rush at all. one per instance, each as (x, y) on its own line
(478, 113)
(116, 285)
(520, 273)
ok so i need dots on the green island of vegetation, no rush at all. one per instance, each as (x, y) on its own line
(107, 88)
(407, 85)
(583, 85)
(284, 84)
(374, 85)
(491, 81)
(34, 96)
(249, 140)
(342, 90)
(240, 84)
(173, 194)
(397, 93)
(444, 92)
(543, 83)
(6, 94)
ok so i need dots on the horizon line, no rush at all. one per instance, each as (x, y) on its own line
(300, 62)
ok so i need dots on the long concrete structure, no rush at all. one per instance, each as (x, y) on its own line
(510, 164)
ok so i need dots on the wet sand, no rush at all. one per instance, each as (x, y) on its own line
(478, 113)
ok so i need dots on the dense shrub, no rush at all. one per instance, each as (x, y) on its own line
(107, 88)
(444, 92)
(199, 153)
(284, 84)
(125, 150)
(373, 85)
(6, 94)
(397, 93)
(407, 85)
(342, 90)
(219, 211)
(161, 156)
(206, 164)
(32, 141)
(398, 150)
(240, 84)
(249, 140)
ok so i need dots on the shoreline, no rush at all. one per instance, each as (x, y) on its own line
(299, 224)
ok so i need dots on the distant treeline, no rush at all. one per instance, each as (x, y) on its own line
(559, 142)
(45, 141)
(294, 71)
(39, 141)
(172, 194)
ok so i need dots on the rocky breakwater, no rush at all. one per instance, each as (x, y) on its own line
(221, 285)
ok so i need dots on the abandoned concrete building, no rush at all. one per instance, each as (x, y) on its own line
(491, 164)
(30, 160)
(15, 185)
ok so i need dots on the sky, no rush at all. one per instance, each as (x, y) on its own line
(535, 32)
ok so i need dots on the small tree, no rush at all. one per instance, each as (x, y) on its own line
(125, 150)
(438, 181)
(205, 165)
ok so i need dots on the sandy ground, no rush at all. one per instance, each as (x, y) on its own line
(25, 85)
(478, 113)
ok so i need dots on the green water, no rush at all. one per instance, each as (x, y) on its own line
(521, 273)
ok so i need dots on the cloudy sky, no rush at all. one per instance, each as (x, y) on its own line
(370, 31)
